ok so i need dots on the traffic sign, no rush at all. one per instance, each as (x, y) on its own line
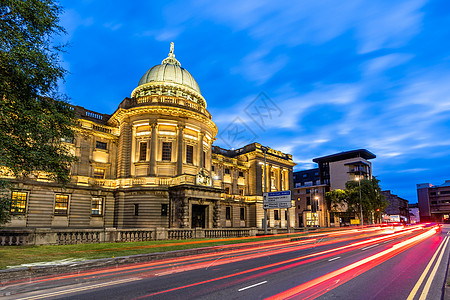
(277, 200)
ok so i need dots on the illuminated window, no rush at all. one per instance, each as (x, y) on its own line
(143, 151)
(97, 206)
(167, 151)
(100, 145)
(164, 209)
(61, 204)
(242, 213)
(189, 154)
(99, 173)
(18, 203)
(228, 213)
(276, 214)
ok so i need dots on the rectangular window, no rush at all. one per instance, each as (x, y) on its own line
(227, 171)
(212, 168)
(19, 203)
(99, 173)
(167, 151)
(61, 204)
(241, 174)
(164, 209)
(228, 213)
(189, 154)
(100, 145)
(241, 192)
(242, 213)
(276, 214)
(227, 190)
(204, 159)
(308, 200)
(136, 209)
(97, 206)
(143, 151)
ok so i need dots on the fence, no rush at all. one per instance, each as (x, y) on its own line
(17, 237)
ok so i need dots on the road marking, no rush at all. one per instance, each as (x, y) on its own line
(426, 289)
(84, 288)
(334, 258)
(425, 272)
(369, 247)
(250, 286)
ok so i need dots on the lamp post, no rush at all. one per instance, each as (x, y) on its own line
(265, 188)
(317, 209)
(360, 200)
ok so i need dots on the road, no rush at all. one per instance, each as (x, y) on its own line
(373, 263)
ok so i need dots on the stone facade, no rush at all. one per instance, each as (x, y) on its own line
(152, 164)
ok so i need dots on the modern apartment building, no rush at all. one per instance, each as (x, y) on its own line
(332, 173)
(434, 202)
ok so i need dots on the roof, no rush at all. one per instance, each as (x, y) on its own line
(363, 153)
(170, 70)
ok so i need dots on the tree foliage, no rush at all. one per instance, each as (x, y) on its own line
(373, 202)
(34, 117)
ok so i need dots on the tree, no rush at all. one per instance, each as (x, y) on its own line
(373, 202)
(34, 117)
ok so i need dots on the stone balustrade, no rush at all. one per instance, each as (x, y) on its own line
(18, 237)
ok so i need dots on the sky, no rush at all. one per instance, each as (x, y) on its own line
(309, 78)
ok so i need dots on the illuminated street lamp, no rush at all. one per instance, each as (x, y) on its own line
(265, 187)
(317, 210)
(360, 201)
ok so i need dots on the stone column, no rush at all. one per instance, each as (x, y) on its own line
(124, 151)
(186, 223)
(180, 150)
(200, 150)
(153, 151)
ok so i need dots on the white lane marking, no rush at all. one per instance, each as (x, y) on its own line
(250, 286)
(424, 274)
(369, 247)
(334, 258)
(84, 288)
(426, 289)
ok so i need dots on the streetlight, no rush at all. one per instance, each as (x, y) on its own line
(265, 188)
(317, 209)
(360, 201)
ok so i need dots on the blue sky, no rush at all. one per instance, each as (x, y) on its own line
(330, 76)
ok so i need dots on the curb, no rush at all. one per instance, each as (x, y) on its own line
(8, 275)
(447, 283)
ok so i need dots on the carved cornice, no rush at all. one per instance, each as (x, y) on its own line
(121, 114)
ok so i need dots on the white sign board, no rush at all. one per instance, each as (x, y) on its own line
(277, 200)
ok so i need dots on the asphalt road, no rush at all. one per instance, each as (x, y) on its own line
(369, 264)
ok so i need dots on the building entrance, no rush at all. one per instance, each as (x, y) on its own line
(199, 215)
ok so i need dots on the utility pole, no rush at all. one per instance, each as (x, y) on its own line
(265, 188)
(360, 199)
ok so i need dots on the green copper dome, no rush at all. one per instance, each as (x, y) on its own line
(170, 70)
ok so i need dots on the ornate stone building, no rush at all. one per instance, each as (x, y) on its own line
(152, 164)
